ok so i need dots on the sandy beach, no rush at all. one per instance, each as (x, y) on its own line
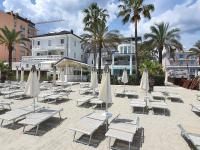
(160, 132)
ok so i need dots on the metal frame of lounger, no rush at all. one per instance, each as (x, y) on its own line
(13, 116)
(188, 135)
(94, 121)
(83, 100)
(122, 131)
(27, 122)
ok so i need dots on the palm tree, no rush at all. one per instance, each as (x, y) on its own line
(133, 10)
(93, 15)
(106, 41)
(162, 36)
(195, 50)
(9, 38)
(89, 46)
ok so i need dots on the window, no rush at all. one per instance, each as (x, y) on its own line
(74, 55)
(38, 43)
(62, 53)
(129, 49)
(49, 42)
(33, 43)
(27, 65)
(180, 55)
(62, 41)
(125, 49)
(121, 49)
(75, 43)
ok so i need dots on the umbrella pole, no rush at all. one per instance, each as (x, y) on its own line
(34, 104)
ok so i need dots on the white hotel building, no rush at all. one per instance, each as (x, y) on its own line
(48, 49)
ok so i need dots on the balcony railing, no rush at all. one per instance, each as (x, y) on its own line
(41, 58)
(46, 48)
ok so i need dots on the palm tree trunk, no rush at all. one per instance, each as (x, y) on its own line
(99, 64)
(95, 59)
(160, 55)
(10, 49)
(136, 52)
(199, 60)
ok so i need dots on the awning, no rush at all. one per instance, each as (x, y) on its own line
(69, 62)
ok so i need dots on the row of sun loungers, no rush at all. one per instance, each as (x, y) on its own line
(148, 104)
(119, 128)
(29, 115)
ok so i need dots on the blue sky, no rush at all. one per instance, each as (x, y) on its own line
(183, 14)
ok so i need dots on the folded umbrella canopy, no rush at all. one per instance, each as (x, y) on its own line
(32, 88)
(105, 88)
(94, 80)
(124, 78)
(22, 74)
(17, 74)
(144, 83)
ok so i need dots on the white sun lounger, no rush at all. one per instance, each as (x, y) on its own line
(44, 94)
(5, 104)
(174, 97)
(56, 97)
(122, 130)
(85, 90)
(128, 93)
(83, 100)
(158, 95)
(88, 125)
(35, 119)
(7, 94)
(96, 101)
(192, 137)
(158, 105)
(195, 108)
(138, 103)
(15, 114)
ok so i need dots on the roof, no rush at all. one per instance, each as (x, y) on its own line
(57, 33)
(21, 18)
(69, 62)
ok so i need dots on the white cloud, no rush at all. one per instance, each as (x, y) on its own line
(184, 16)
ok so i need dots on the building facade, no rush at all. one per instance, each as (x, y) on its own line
(49, 48)
(14, 21)
(183, 62)
(121, 58)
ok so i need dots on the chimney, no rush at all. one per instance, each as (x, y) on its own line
(72, 32)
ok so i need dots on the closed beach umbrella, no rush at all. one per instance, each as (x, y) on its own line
(17, 74)
(105, 88)
(124, 78)
(94, 80)
(54, 75)
(39, 74)
(144, 83)
(32, 88)
(22, 74)
(62, 76)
